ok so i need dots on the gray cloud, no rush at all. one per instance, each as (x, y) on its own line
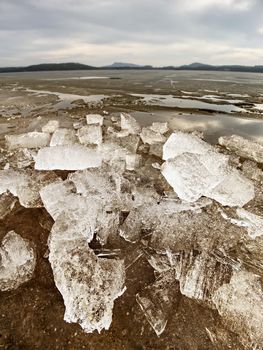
(158, 32)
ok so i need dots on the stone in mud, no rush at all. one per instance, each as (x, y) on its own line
(243, 147)
(129, 124)
(7, 203)
(51, 126)
(90, 135)
(73, 157)
(94, 119)
(17, 261)
(63, 137)
(29, 140)
(89, 285)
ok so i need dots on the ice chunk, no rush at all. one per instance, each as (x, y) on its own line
(129, 124)
(157, 301)
(10, 180)
(89, 285)
(133, 161)
(179, 143)
(94, 119)
(132, 226)
(151, 137)
(90, 134)
(28, 193)
(156, 150)
(199, 274)
(161, 128)
(51, 126)
(63, 137)
(29, 140)
(195, 175)
(252, 222)
(17, 261)
(243, 147)
(7, 203)
(240, 303)
(74, 157)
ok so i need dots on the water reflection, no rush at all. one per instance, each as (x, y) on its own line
(213, 126)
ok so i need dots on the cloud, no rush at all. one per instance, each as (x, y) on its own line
(158, 32)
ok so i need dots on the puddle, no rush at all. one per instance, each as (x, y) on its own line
(213, 126)
(77, 78)
(171, 101)
(66, 100)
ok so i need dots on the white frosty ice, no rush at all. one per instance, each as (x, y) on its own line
(243, 147)
(90, 134)
(74, 157)
(161, 128)
(179, 143)
(51, 126)
(10, 180)
(129, 124)
(151, 137)
(17, 261)
(63, 137)
(89, 285)
(29, 140)
(133, 161)
(195, 169)
(252, 222)
(94, 119)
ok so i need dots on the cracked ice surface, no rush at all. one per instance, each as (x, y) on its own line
(17, 263)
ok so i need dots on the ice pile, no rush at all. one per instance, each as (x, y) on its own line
(125, 189)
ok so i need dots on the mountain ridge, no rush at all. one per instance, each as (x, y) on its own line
(120, 65)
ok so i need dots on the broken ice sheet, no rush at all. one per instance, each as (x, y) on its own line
(243, 147)
(71, 157)
(193, 176)
(252, 222)
(17, 261)
(157, 301)
(28, 193)
(240, 303)
(90, 135)
(29, 140)
(63, 137)
(129, 124)
(51, 126)
(89, 285)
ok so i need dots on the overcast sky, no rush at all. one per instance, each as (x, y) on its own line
(157, 32)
